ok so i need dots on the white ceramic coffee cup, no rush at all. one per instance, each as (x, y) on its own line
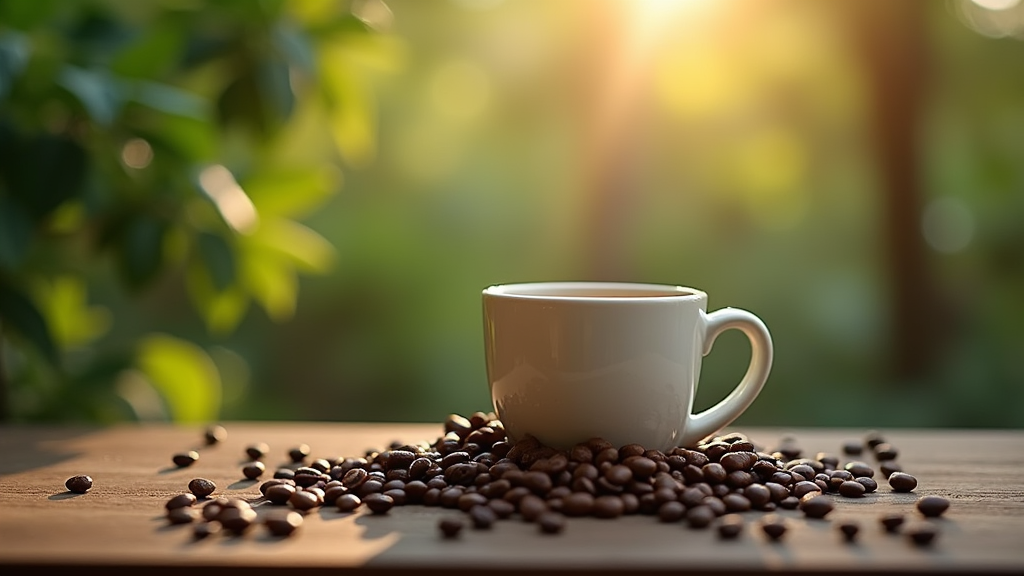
(570, 361)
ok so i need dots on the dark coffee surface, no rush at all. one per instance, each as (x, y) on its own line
(120, 523)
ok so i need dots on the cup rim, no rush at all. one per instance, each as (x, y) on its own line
(542, 291)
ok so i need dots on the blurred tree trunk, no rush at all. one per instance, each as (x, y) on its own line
(892, 39)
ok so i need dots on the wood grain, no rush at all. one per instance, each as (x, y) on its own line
(119, 526)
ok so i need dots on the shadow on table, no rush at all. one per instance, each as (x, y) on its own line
(24, 448)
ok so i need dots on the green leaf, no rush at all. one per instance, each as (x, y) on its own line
(44, 171)
(15, 233)
(184, 375)
(221, 310)
(350, 109)
(141, 249)
(72, 321)
(170, 100)
(19, 314)
(272, 283)
(153, 54)
(304, 248)
(218, 258)
(292, 193)
(14, 54)
(96, 90)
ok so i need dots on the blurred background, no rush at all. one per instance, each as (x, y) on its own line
(287, 209)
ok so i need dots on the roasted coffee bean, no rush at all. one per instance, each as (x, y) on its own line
(700, 516)
(457, 457)
(816, 506)
(869, 484)
(852, 489)
(531, 507)
(347, 502)
(516, 494)
(399, 460)
(773, 526)
(782, 477)
(306, 480)
(464, 473)
(537, 482)
(641, 466)
(619, 474)
(211, 511)
(715, 504)
(853, 447)
(257, 451)
(280, 494)
(891, 522)
(201, 487)
(581, 453)
(298, 453)
(730, 526)
(502, 508)
(418, 468)
(922, 534)
(253, 470)
(78, 484)
(734, 461)
(551, 523)
(468, 501)
(691, 497)
(829, 461)
(932, 506)
(284, 474)
(372, 486)
(237, 520)
(778, 491)
(714, 472)
(758, 494)
(736, 503)
(302, 500)
(789, 503)
(181, 515)
(739, 479)
(804, 470)
(801, 489)
(450, 526)
(888, 467)
(554, 465)
(215, 434)
(578, 504)
(332, 493)
(180, 501)
(432, 497)
(608, 507)
(902, 482)
(646, 504)
(457, 424)
(873, 438)
(274, 482)
(283, 522)
(859, 469)
(671, 511)
(205, 530)
(663, 495)
(185, 459)
(848, 529)
(379, 503)
(885, 451)
(630, 503)
(482, 516)
(354, 478)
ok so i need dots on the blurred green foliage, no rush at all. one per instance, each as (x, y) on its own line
(149, 145)
(720, 145)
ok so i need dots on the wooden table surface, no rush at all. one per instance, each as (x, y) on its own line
(119, 526)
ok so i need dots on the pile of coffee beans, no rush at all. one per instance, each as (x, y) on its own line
(475, 470)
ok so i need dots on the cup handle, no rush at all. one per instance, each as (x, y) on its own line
(720, 415)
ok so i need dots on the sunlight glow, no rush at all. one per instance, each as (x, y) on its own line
(137, 153)
(461, 89)
(947, 225)
(232, 202)
(996, 4)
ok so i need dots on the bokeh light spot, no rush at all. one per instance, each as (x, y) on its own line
(948, 225)
(460, 89)
(137, 153)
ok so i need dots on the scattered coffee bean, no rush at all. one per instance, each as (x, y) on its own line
(181, 500)
(347, 502)
(215, 434)
(891, 522)
(205, 530)
(283, 522)
(79, 484)
(932, 506)
(280, 494)
(789, 503)
(873, 438)
(213, 508)
(303, 500)
(885, 451)
(902, 482)
(237, 520)
(257, 451)
(482, 516)
(852, 489)
(201, 487)
(853, 447)
(700, 516)
(298, 453)
(185, 459)
(888, 467)
(730, 526)
(531, 507)
(379, 503)
(450, 526)
(284, 474)
(181, 515)
(868, 483)
(253, 470)
(849, 530)
(608, 507)
(859, 469)
(551, 523)
(671, 511)
(773, 526)
(817, 506)
(921, 534)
